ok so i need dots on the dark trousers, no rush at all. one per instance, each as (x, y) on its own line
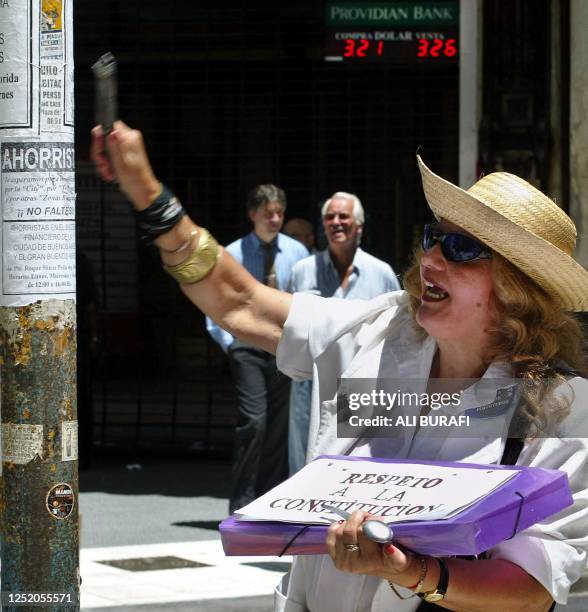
(260, 459)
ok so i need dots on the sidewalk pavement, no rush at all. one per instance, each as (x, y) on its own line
(155, 521)
(215, 581)
(218, 584)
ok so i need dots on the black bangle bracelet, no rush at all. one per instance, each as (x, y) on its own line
(161, 215)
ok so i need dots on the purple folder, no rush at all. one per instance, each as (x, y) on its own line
(529, 497)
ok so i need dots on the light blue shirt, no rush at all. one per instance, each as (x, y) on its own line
(369, 278)
(250, 252)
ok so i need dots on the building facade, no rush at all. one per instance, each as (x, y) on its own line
(315, 97)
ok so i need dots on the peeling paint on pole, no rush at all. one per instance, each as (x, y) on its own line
(38, 506)
(39, 554)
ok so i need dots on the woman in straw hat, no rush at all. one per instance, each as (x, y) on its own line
(490, 295)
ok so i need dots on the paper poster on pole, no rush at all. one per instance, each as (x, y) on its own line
(38, 226)
(397, 492)
(17, 57)
(37, 159)
(56, 60)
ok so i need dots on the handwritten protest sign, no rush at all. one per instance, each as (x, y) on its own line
(398, 492)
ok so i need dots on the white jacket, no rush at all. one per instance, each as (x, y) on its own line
(329, 339)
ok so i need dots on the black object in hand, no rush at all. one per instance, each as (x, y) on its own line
(106, 101)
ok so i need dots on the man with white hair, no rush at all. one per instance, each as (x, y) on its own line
(342, 270)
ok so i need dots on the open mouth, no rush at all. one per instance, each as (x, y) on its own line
(434, 293)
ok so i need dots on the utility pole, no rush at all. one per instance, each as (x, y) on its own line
(38, 413)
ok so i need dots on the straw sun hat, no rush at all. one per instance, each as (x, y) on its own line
(522, 224)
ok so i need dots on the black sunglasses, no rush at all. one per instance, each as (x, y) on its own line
(455, 247)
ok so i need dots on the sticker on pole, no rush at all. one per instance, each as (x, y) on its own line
(21, 443)
(69, 440)
(60, 501)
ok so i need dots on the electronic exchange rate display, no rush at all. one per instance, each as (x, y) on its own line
(402, 32)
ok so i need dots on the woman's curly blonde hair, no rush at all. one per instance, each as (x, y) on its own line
(533, 333)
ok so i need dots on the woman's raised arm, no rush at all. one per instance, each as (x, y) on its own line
(228, 293)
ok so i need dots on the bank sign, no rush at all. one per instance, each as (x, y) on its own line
(392, 31)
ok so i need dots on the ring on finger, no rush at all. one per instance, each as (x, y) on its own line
(351, 547)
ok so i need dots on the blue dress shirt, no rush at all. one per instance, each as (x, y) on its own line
(250, 252)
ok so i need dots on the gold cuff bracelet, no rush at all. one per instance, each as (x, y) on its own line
(199, 262)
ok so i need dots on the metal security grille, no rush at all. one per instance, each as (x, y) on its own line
(516, 132)
(228, 95)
